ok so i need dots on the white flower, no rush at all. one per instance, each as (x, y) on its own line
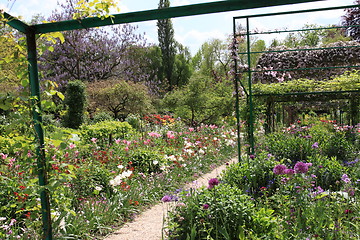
(2, 218)
(189, 151)
(120, 166)
(170, 158)
(229, 142)
(201, 151)
(155, 162)
(98, 188)
(126, 174)
(188, 145)
(116, 181)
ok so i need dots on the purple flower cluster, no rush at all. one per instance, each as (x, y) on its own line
(166, 198)
(315, 145)
(299, 167)
(206, 206)
(345, 178)
(279, 169)
(213, 182)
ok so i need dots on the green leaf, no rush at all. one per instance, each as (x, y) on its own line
(241, 233)
(60, 95)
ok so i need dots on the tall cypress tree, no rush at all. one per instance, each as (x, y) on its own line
(167, 46)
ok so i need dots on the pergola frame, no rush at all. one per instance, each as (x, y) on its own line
(31, 30)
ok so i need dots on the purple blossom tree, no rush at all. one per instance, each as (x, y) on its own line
(94, 54)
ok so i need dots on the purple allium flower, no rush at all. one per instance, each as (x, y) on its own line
(301, 167)
(206, 206)
(279, 169)
(315, 145)
(213, 182)
(252, 156)
(289, 171)
(345, 178)
(166, 198)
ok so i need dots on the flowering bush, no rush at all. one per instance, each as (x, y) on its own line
(159, 119)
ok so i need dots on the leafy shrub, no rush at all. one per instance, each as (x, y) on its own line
(222, 212)
(101, 117)
(289, 146)
(12, 145)
(202, 100)
(104, 132)
(328, 171)
(252, 175)
(146, 161)
(50, 123)
(338, 146)
(89, 179)
(134, 120)
(119, 97)
(75, 100)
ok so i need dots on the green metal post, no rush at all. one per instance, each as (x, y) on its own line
(36, 112)
(250, 101)
(237, 111)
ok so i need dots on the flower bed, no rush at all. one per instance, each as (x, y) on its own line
(303, 183)
(97, 185)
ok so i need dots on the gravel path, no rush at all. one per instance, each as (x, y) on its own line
(148, 225)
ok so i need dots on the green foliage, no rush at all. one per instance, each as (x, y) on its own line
(220, 213)
(119, 97)
(338, 146)
(100, 9)
(91, 181)
(252, 175)
(212, 59)
(146, 161)
(105, 132)
(347, 81)
(75, 101)
(328, 171)
(201, 101)
(135, 121)
(102, 116)
(182, 66)
(289, 146)
(167, 45)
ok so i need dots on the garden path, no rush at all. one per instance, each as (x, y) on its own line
(148, 225)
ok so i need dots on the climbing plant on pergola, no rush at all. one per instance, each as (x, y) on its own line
(253, 72)
(32, 30)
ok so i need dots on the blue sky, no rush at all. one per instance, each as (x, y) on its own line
(195, 30)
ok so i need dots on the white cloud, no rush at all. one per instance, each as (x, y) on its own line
(195, 38)
(180, 3)
(4, 7)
